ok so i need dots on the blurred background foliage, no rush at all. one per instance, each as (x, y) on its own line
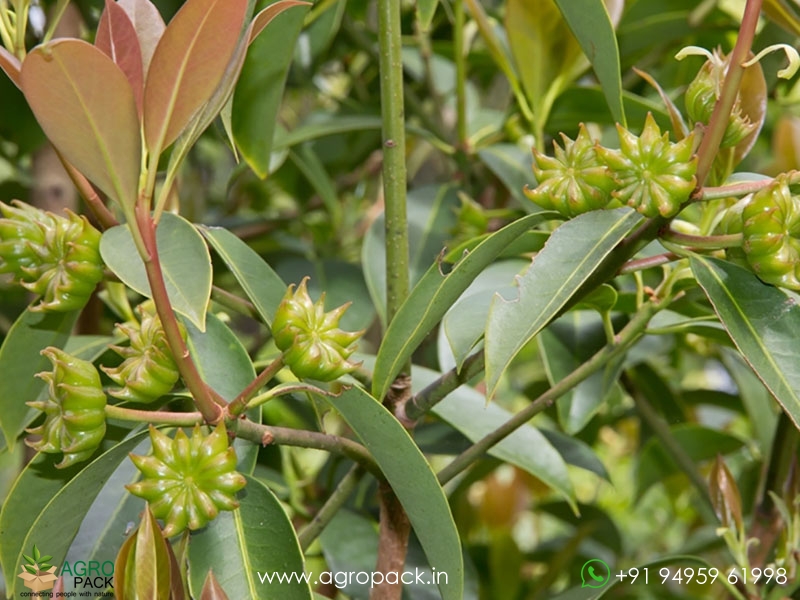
(522, 79)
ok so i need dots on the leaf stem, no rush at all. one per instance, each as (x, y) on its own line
(734, 190)
(203, 397)
(640, 264)
(104, 216)
(461, 75)
(703, 242)
(286, 436)
(327, 511)
(429, 397)
(156, 417)
(239, 404)
(718, 123)
(624, 340)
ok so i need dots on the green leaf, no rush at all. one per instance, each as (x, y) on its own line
(58, 516)
(425, 11)
(188, 65)
(185, 263)
(513, 166)
(576, 452)
(433, 296)
(547, 56)
(20, 360)
(431, 216)
(465, 321)
(468, 412)
(412, 480)
(97, 132)
(259, 89)
(566, 344)
(255, 540)
(569, 257)
(325, 126)
(700, 443)
(762, 320)
(151, 562)
(224, 365)
(594, 30)
(263, 286)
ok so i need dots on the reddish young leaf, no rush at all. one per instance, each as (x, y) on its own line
(116, 36)
(10, 65)
(212, 590)
(149, 27)
(203, 117)
(188, 64)
(263, 18)
(85, 105)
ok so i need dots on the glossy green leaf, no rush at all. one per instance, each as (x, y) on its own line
(20, 360)
(224, 365)
(431, 216)
(85, 105)
(764, 323)
(185, 262)
(587, 104)
(259, 89)
(263, 286)
(117, 38)
(187, 66)
(254, 541)
(412, 480)
(569, 257)
(514, 167)
(149, 27)
(433, 296)
(594, 30)
(325, 126)
(700, 443)
(56, 522)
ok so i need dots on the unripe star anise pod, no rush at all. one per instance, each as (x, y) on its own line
(313, 345)
(55, 257)
(703, 93)
(187, 481)
(574, 181)
(771, 230)
(149, 370)
(655, 176)
(75, 418)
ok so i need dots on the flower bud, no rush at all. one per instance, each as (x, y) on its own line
(656, 177)
(188, 481)
(313, 345)
(55, 257)
(574, 181)
(771, 229)
(75, 418)
(149, 370)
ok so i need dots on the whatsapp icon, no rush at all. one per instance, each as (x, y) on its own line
(595, 573)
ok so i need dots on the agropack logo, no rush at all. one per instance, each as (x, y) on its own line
(37, 574)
